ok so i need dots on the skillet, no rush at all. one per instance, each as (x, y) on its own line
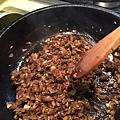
(40, 24)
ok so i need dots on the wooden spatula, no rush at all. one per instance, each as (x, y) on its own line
(97, 54)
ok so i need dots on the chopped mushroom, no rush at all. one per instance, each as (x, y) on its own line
(45, 90)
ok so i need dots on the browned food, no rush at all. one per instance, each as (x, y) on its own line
(11, 55)
(24, 50)
(45, 90)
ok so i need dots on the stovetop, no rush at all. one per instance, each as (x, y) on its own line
(24, 6)
(111, 4)
(10, 10)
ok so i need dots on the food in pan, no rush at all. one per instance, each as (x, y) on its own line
(45, 90)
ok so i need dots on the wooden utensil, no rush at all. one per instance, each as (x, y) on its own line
(97, 54)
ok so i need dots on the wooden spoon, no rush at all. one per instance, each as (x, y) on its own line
(97, 54)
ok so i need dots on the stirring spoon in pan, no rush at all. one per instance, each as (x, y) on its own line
(97, 54)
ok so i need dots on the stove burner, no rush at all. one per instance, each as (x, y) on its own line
(108, 4)
(102, 3)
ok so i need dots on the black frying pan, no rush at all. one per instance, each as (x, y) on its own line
(40, 24)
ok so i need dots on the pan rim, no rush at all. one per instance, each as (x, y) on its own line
(90, 6)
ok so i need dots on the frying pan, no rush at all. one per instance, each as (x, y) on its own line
(40, 24)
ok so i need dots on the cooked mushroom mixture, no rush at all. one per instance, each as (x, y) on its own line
(45, 90)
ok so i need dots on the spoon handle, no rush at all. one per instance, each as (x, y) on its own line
(97, 54)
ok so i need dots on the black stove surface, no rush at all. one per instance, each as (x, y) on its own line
(112, 4)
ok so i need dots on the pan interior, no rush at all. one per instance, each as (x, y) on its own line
(37, 46)
(38, 26)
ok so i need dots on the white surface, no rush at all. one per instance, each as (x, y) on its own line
(22, 4)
